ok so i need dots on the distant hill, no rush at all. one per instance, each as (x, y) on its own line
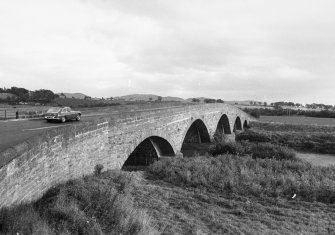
(75, 95)
(146, 97)
(243, 102)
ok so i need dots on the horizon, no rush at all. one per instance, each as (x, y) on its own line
(266, 51)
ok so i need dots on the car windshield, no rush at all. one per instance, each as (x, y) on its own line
(53, 110)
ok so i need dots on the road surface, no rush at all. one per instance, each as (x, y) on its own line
(15, 131)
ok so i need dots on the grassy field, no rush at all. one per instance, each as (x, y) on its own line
(305, 138)
(298, 120)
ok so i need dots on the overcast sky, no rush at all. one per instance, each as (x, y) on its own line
(266, 50)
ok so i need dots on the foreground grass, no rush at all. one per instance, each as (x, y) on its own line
(181, 196)
(101, 204)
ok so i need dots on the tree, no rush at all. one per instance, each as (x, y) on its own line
(265, 103)
(195, 100)
(150, 99)
(43, 95)
(21, 93)
(219, 101)
(159, 98)
(209, 100)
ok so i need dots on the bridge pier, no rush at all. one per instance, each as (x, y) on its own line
(227, 138)
(179, 154)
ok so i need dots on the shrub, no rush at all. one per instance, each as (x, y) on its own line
(267, 150)
(98, 169)
(229, 148)
(252, 136)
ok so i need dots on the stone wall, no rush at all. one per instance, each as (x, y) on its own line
(56, 160)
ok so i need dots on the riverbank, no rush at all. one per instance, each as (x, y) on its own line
(317, 159)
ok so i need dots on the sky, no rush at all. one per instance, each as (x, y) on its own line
(264, 50)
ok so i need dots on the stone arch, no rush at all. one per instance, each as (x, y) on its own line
(196, 134)
(223, 127)
(238, 124)
(148, 151)
(245, 124)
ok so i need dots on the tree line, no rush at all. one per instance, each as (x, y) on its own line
(208, 100)
(24, 95)
(285, 112)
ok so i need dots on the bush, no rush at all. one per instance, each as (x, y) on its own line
(97, 169)
(252, 136)
(267, 150)
(229, 148)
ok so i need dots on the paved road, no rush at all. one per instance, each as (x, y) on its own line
(13, 132)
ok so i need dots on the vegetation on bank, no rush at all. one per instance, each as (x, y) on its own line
(100, 204)
(244, 175)
(317, 139)
(255, 150)
(257, 112)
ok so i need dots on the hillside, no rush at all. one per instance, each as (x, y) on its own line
(146, 97)
(75, 95)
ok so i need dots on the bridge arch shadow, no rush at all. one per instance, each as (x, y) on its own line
(245, 124)
(222, 129)
(147, 152)
(197, 139)
(238, 124)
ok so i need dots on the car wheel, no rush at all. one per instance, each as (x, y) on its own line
(63, 119)
(78, 118)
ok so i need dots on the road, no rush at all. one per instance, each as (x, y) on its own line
(13, 132)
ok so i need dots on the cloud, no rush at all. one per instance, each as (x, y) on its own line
(237, 49)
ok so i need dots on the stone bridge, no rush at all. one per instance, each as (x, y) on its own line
(132, 138)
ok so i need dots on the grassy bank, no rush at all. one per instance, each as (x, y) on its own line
(101, 204)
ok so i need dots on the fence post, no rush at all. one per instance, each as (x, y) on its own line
(17, 114)
(5, 114)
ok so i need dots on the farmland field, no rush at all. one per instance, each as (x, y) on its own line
(297, 120)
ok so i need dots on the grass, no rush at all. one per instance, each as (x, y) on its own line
(225, 194)
(255, 150)
(100, 204)
(299, 120)
(317, 139)
(245, 175)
